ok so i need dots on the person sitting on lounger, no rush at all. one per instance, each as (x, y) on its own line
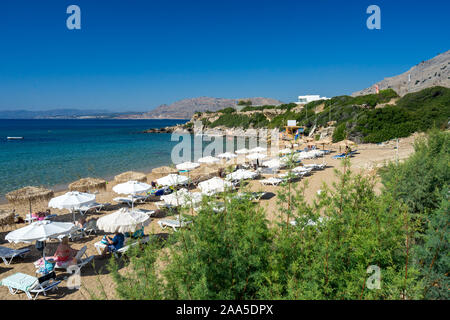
(348, 150)
(81, 222)
(114, 244)
(64, 254)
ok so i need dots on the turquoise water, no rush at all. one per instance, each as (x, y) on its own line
(56, 152)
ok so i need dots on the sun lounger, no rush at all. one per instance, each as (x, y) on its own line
(343, 155)
(132, 242)
(91, 227)
(81, 261)
(124, 200)
(271, 181)
(173, 223)
(162, 205)
(94, 206)
(315, 166)
(29, 218)
(147, 212)
(8, 253)
(30, 284)
(292, 176)
(251, 195)
(74, 235)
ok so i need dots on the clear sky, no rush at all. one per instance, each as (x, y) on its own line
(135, 55)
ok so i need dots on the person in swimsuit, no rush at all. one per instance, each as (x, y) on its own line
(64, 254)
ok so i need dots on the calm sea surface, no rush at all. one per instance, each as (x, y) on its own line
(57, 152)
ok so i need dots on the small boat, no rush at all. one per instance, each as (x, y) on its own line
(14, 138)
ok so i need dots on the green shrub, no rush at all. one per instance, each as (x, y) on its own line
(227, 110)
(236, 254)
(422, 184)
(256, 120)
(339, 133)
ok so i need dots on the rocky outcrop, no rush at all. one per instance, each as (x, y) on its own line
(430, 73)
(175, 129)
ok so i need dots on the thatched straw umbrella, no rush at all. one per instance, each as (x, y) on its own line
(28, 195)
(346, 142)
(164, 170)
(204, 172)
(323, 142)
(343, 143)
(130, 175)
(88, 184)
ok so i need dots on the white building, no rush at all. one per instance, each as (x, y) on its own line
(310, 98)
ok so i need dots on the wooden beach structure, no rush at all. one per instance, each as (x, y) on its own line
(88, 185)
(29, 195)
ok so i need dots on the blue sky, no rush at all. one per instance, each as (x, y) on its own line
(135, 55)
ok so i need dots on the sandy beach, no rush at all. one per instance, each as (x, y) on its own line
(368, 158)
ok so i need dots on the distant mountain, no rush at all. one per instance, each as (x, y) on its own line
(430, 73)
(185, 109)
(55, 113)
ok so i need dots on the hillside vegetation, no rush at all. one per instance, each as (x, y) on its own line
(369, 118)
(332, 252)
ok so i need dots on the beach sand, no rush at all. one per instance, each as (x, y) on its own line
(370, 157)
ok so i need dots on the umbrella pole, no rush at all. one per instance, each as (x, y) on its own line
(30, 208)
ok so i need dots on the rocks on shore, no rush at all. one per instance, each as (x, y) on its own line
(174, 129)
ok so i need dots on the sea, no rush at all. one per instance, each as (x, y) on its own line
(56, 152)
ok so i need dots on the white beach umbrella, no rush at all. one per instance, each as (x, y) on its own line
(214, 185)
(182, 197)
(187, 165)
(123, 220)
(172, 180)
(132, 188)
(72, 201)
(208, 159)
(227, 155)
(242, 151)
(241, 174)
(258, 149)
(40, 231)
(274, 163)
(256, 156)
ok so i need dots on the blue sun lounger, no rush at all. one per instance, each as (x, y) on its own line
(342, 155)
(8, 253)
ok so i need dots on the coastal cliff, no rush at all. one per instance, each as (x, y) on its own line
(371, 118)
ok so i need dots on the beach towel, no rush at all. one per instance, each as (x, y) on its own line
(20, 281)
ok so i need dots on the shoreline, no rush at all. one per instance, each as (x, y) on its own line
(65, 186)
